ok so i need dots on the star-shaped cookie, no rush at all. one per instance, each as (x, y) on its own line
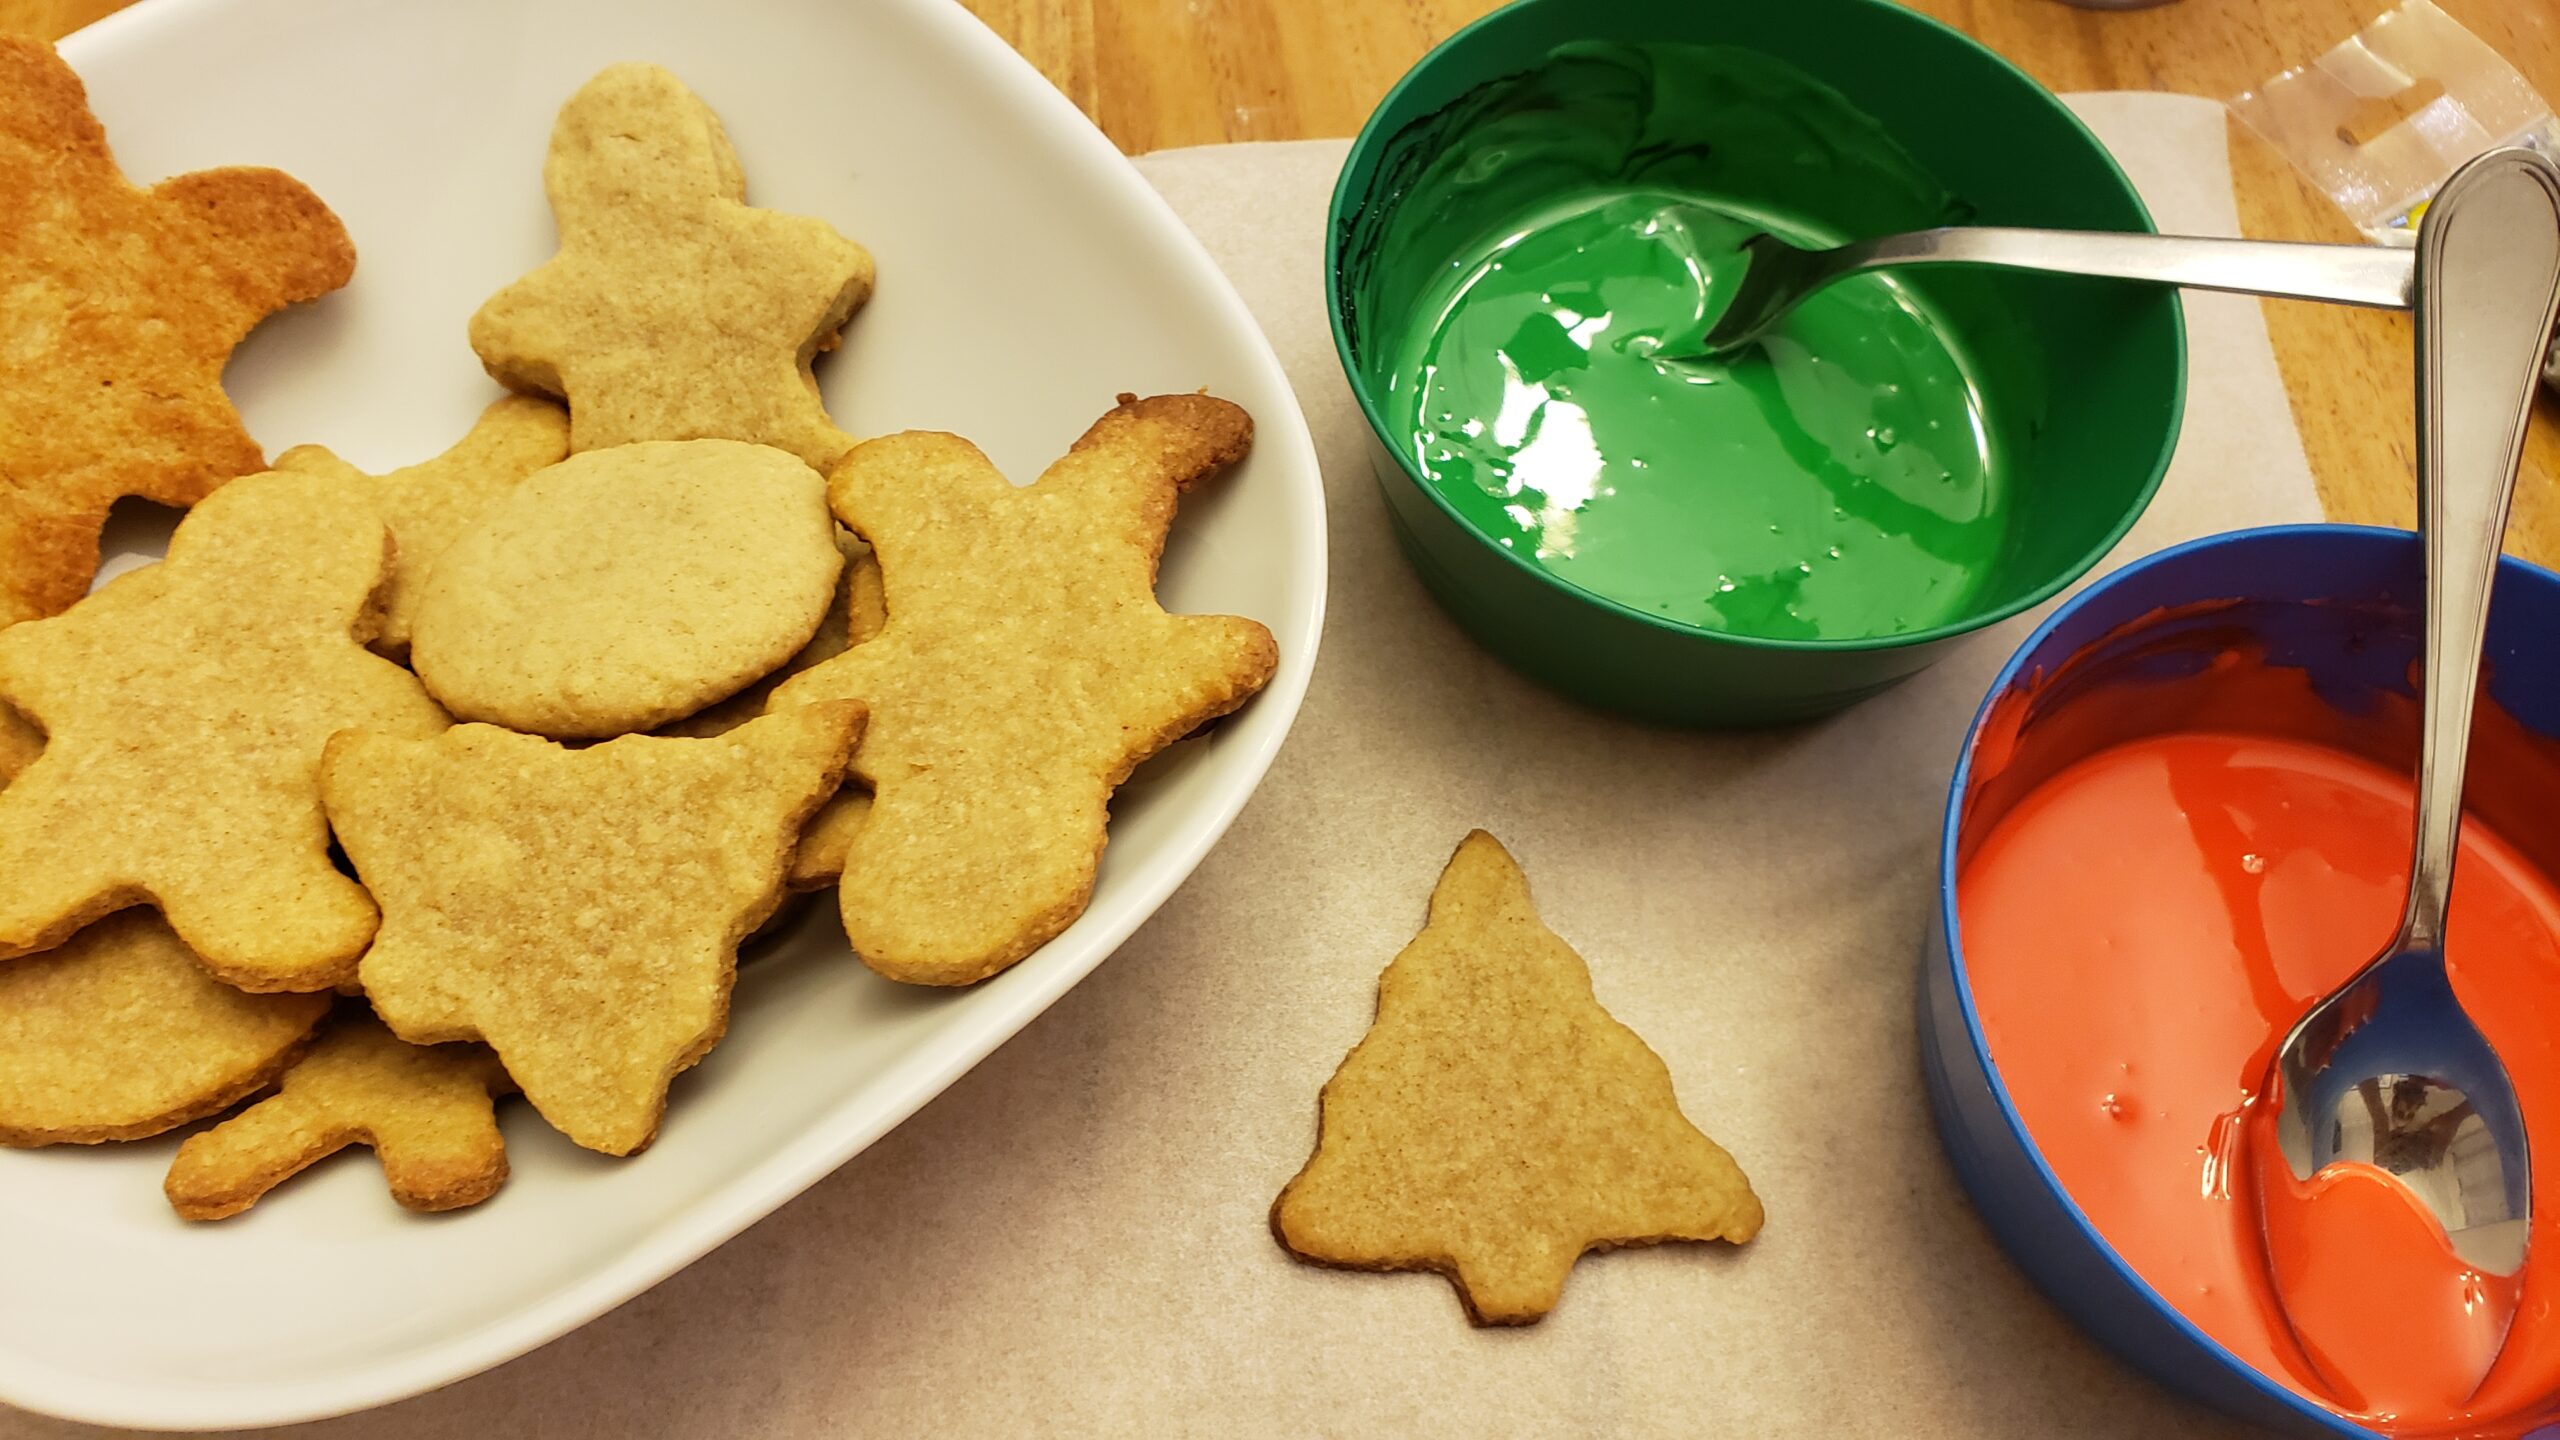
(673, 310)
(184, 707)
(579, 910)
(430, 504)
(1025, 670)
(429, 1112)
(1496, 1122)
(118, 308)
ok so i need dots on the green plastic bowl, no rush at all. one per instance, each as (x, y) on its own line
(2101, 366)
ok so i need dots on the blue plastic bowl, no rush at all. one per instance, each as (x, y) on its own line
(2359, 639)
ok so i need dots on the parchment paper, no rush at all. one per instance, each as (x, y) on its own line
(1073, 1239)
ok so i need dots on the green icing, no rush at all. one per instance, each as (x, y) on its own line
(1554, 254)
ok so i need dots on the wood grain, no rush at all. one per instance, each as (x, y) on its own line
(1159, 73)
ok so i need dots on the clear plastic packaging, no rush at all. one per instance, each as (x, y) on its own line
(2338, 118)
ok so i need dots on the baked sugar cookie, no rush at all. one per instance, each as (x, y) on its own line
(119, 307)
(1025, 670)
(622, 589)
(427, 1111)
(673, 310)
(1496, 1122)
(579, 910)
(184, 707)
(119, 1034)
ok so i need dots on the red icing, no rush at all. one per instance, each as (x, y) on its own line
(2155, 882)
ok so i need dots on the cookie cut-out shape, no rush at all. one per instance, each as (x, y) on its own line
(119, 1033)
(184, 707)
(624, 588)
(119, 307)
(673, 310)
(429, 1113)
(430, 504)
(1496, 1122)
(855, 615)
(579, 910)
(1025, 670)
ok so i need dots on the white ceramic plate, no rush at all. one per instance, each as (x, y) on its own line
(1026, 273)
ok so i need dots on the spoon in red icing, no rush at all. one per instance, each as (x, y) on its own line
(2389, 1073)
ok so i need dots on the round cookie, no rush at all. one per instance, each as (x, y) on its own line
(120, 1034)
(624, 588)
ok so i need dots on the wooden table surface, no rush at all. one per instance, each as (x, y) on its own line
(1158, 73)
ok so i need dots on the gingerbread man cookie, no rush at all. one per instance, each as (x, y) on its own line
(119, 307)
(673, 310)
(1025, 670)
(184, 707)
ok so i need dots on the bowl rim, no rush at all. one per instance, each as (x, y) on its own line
(1950, 934)
(1344, 203)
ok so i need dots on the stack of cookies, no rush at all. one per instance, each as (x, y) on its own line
(382, 797)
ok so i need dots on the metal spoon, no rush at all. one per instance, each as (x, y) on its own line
(1776, 276)
(2389, 1070)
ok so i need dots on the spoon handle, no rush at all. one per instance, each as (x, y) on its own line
(2488, 284)
(2369, 275)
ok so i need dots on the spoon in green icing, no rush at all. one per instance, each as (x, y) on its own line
(1775, 276)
